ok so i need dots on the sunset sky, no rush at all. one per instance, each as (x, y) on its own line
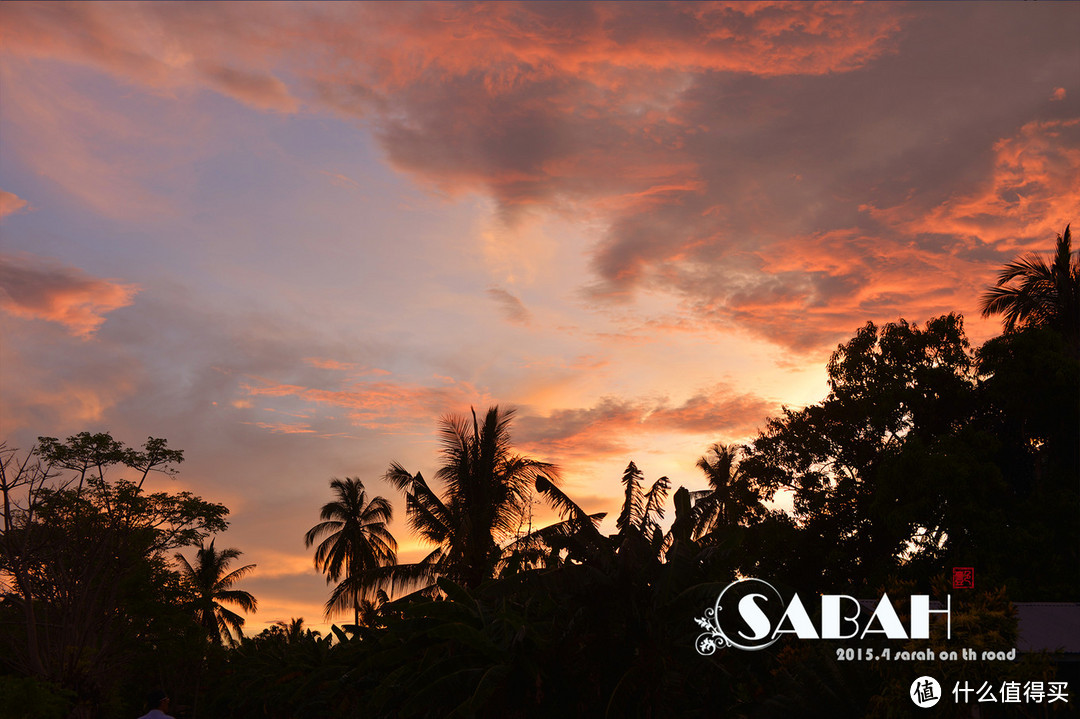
(288, 237)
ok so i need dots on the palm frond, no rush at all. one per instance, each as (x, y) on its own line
(565, 506)
(407, 577)
(401, 478)
(556, 535)
(425, 521)
(240, 598)
(232, 577)
(1030, 292)
(654, 503)
(377, 511)
(326, 527)
(633, 508)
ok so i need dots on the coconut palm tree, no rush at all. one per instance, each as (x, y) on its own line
(291, 631)
(730, 498)
(210, 583)
(1029, 292)
(357, 545)
(487, 491)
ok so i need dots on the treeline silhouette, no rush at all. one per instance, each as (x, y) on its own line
(926, 454)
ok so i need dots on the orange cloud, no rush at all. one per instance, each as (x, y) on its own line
(733, 155)
(811, 288)
(331, 364)
(284, 428)
(719, 410)
(917, 262)
(512, 308)
(377, 405)
(515, 43)
(53, 383)
(455, 106)
(11, 203)
(508, 44)
(263, 91)
(606, 428)
(340, 180)
(74, 403)
(920, 258)
(161, 47)
(41, 289)
(1032, 192)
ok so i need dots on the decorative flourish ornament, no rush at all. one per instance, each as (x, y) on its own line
(712, 638)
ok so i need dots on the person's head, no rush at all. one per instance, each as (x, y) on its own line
(157, 699)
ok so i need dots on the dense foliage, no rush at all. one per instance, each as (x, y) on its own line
(93, 608)
(926, 454)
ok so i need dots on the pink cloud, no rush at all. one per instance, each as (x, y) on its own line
(606, 428)
(510, 306)
(340, 180)
(532, 59)
(38, 399)
(325, 363)
(40, 289)
(163, 47)
(11, 204)
(720, 410)
(1032, 191)
(1058, 94)
(284, 428)
(57, 384)
(378, 405)
(263, 91)
(733, 154)
(337, 366)
(119, 163)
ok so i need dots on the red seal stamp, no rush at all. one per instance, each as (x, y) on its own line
(963, 578)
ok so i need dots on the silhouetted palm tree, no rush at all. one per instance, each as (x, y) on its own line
(1031, 293)
(356, 547)
(292, 631)
(641, 510)
(370, 609)
(639, 543)
(487, 490)
(210, 584)
(574, 538)
(731, 497)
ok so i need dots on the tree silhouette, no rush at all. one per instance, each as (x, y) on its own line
(731, 497)
(356, 545)
(1029, 292)
(487, 491)
(877, 470)
(210, 584)
(640, 539)
(572, 539)
(88, 595)
(292, 631)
